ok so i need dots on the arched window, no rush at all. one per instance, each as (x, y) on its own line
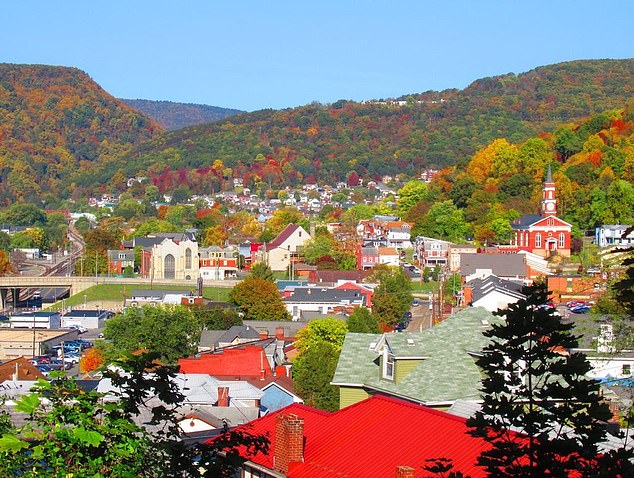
(169, 269)
(538, 240)
(188, 258)
(562, 240)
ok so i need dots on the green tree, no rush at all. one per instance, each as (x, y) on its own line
(330, 329)
(216, 318)
(171, 332)
(536, 385)
(362, 321)
(72, 432)
(258, 299)
(261, 270)
(443, 221)
(23, 214)
(411, 193)
(313, 371)
(320, 246)
(392, 297)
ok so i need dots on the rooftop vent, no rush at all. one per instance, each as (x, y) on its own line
(484, 322)
(410, 342)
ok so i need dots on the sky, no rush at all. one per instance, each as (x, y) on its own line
(251, 55)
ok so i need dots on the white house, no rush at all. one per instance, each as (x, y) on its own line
(289, 243)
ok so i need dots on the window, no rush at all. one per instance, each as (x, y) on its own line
(188, 258)
(562, 240)
(627, 369)
(538, 240)
(388, 364)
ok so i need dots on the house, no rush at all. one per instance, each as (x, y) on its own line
(367, 257)
(279, 392)
(434, 367)
(367, 291)
(613, 235)
(566, 288)
(218, 263)
(19, 368)
(236, 334)
(504, 266)
(36, 320)
(324, 301)
(30, 343)
(492, 293)
(309, 443)
(141, 297)
(118, 260)
(432, 252)
(389, 256)
(332, 278)
(245, 361)
(543, 234)
(455, 250)
(288, 245)
(90, 319)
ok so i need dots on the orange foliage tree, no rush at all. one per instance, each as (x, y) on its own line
(91, 360)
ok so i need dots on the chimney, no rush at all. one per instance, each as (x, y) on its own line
(279, 333)
(405, 472)
(289, 441)
(262, 374)
(223, 396)
(264, 334)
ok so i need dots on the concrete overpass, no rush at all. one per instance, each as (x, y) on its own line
(78, 284)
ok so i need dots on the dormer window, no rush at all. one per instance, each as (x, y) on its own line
(388, 364)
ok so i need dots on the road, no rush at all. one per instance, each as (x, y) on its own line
(421, 317)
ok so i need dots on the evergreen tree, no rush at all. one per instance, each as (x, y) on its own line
(537, 386)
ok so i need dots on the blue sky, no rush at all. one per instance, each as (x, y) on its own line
(276, 54)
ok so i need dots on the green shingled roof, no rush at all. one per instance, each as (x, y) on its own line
(446, 373)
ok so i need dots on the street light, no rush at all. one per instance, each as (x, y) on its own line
(85, 301)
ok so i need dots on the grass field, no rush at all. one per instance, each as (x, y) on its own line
(109, 293)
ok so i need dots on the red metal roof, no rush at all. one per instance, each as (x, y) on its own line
(370, 439)
(247, 361)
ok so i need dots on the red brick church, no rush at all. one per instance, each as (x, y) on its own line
(543, 234)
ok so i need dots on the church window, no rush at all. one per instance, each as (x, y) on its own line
(562, 240)
(538, 240)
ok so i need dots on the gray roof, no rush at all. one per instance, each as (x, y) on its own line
(114, 254)
(502, 265)
(446, 371)
(317, 294)
(482, 287)
(271, 326)
(526, 220)
(212, 338)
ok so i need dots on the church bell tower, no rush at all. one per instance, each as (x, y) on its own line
(549, 200)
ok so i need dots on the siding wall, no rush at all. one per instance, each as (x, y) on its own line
(351, 395)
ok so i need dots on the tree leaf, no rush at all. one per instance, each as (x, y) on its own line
(11, 443)
(89, 437)
(27, 404)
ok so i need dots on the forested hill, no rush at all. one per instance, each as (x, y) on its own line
(173, 116)
(55, 123)
(432, 129)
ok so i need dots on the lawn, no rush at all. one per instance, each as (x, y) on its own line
(116, 292)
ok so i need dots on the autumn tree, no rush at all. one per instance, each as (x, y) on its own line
(258, 299)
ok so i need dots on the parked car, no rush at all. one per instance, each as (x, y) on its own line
(580, 309)
(41, 359)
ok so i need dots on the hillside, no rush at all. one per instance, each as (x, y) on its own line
(432, 129)
(173, 116)
(592, 164)
(55, 124)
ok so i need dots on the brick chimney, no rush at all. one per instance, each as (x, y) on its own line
(289, 441)
(405, 472)
(223, 396)
(279, 333)
(264, 334)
